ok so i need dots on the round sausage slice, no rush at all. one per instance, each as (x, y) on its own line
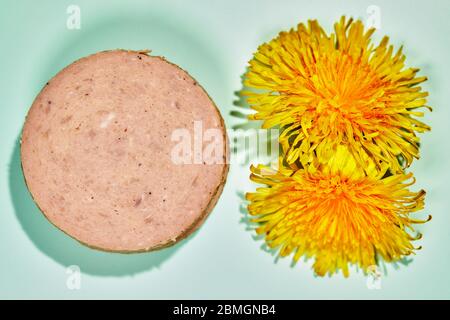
(124, 152)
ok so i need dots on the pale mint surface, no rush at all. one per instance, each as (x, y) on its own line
(213, 40)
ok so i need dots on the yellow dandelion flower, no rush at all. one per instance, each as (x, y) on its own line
(336, 213)
(325, 90)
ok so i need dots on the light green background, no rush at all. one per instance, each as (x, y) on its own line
(213, 40)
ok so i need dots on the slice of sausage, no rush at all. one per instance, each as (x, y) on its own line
(99, 152)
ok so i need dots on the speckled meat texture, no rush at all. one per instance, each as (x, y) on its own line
(96, 152)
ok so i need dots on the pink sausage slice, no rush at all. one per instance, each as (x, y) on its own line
(100, 152)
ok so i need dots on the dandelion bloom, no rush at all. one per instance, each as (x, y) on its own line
(326, 90)
(336, 212)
